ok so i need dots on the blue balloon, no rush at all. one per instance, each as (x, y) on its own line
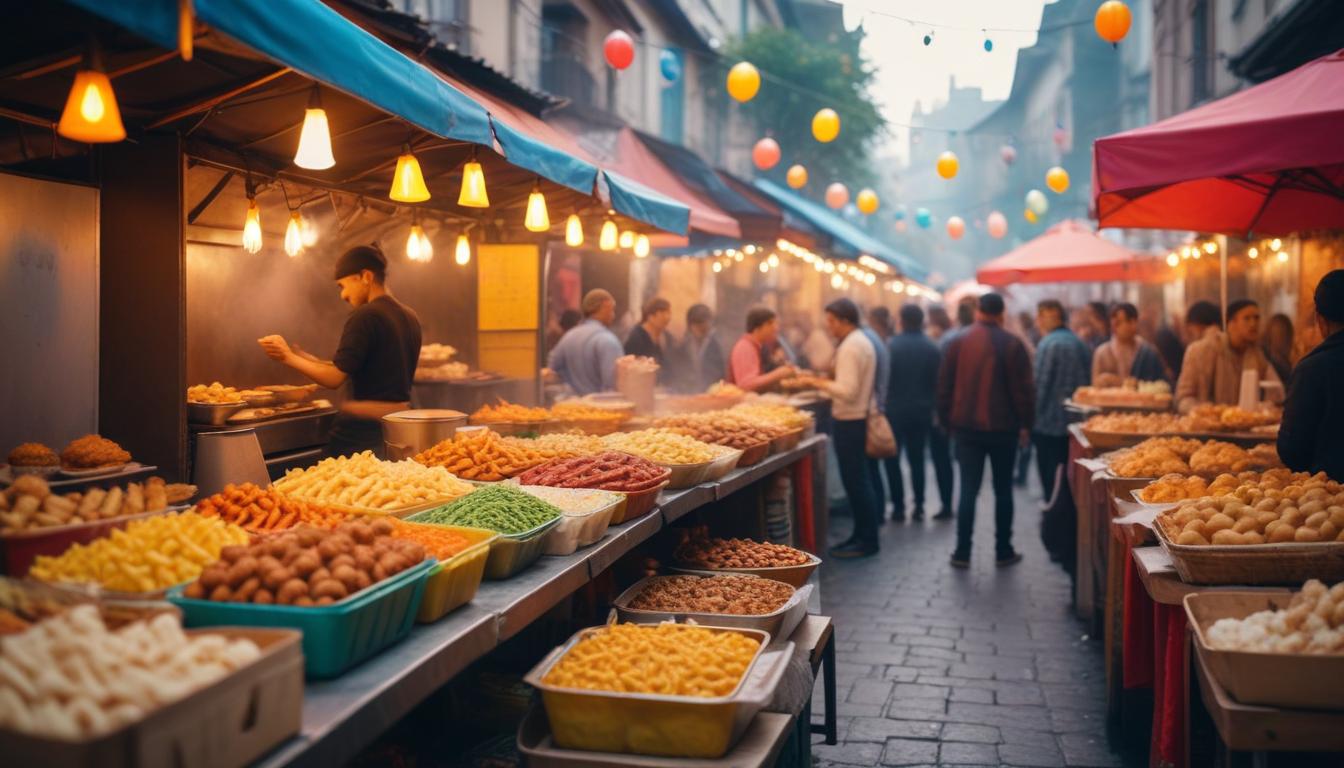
(989, 45)
(669, 63)
(900, 213)
(923, 218)
(850, 211)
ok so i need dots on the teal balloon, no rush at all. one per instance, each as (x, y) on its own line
(669, 63)
(923, 218)
(900, 213)
(989, 45)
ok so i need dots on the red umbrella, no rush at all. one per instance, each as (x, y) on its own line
(1069, 252)
(1268, 160)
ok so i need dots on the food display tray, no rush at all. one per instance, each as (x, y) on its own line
(1255, 564)
(1105, 441)
(794, 575)
(581, 530)
(227, 724)
(779, 623)
(686, 475)
(18, 549)
(400, 513)
(1290, 680)
(687, 726)
(721, 466)
(1118, 407)
(290, 393)
(787, 441)
(517, 428)
(637, 503)
(511, 552)
(453, 582)
(336, 637)
(754, 454)
(214, 414)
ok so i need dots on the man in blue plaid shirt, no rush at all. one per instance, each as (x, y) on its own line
(1063, 363)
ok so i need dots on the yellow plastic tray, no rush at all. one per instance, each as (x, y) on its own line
(453, 582)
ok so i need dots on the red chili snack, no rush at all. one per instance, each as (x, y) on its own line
(610, 471)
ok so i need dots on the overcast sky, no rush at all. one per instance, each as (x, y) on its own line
(910, 73)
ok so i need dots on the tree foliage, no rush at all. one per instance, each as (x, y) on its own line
(817, 75)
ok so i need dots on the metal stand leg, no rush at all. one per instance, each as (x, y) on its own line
(828, 693)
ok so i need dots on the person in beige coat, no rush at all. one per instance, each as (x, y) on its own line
(1212, 369)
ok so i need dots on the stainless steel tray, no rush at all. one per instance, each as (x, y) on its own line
(779, 623)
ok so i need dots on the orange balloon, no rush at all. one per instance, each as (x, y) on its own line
(765, 154)
(1112, 21)
(796, 177)
(948, 164)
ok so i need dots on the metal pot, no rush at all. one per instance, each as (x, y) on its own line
(406, 433)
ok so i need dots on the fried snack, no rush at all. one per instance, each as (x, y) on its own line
(362, 480)
(557, 446)
(150, 554)
(705, 552)
(1230, 418)
(590, 419)
(91, 452)
(501, 508)
(1130, 394)
(722, 428)
(29, 503)
(782, 415)
(667, 659)
(307, 566)
(609, 471)
(661, 445)
(1160, 456)
(508, 413)
(265, 510)
(69, 677)
(1275, 507)
(33, 455)
(1134, 423)
(1215, 458)
(725, 389)
(739, 595)
(481, 454)
(1174, 487)
(1313, 622)
(439, 542)
(213, 394)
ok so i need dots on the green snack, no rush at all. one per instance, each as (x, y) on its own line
(501, 508)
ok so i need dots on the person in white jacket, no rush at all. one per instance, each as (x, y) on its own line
(851, 394)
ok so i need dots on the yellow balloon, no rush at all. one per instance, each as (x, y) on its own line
(743, 81)
(1057, 179)
(797, 176)
(1030, 216)
(948, 164)
(825, 125)
(867, 201)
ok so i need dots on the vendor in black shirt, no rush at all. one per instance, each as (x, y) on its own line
(379, 349)
(646, 339)
(1311, 437)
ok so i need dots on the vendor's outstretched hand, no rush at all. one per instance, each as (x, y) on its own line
(275, 347)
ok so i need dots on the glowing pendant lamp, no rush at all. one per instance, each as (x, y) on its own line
(418, 247)
(408, 183)
(294, 235)
(641, 246)
(314, 150)
(607, 239)
(473, 194)
(252, 227)
(627, 239)
(462, 254)
(573, 231)
(537, 219)
(91, 114)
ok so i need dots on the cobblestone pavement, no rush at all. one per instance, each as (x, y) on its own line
(937, 666)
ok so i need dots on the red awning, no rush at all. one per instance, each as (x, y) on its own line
(1268, 160)
(1069, 252)
(636, 161)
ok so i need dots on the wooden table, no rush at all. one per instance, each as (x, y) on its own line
(1164, 585)
(1253, 728)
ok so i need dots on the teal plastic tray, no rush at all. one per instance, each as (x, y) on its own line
(336, 637)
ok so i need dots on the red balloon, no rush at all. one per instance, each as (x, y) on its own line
(956, 227)
(765, 154)
(997, 224)
(619, 49)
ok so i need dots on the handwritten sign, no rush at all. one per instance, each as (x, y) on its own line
(507, 287)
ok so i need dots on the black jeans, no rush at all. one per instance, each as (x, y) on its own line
(1051, 453)
(850, 438)
(940, 453)
(912, 436)
(972, 450)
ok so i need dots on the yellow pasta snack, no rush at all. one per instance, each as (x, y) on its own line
(363, 480)
(662, 446)
(666, 659)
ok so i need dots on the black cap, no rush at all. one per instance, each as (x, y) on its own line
(360, 258)
(1330, 296)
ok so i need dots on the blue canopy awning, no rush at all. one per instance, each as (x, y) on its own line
(639, 202)
(851, 240)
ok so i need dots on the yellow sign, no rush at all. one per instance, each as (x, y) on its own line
(507, 287)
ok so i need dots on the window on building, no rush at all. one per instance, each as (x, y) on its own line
(564, 55)
(671, 107)
(1201, 59)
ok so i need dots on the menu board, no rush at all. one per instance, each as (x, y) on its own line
(507, 287)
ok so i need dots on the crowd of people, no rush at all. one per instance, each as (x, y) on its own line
(978, 393)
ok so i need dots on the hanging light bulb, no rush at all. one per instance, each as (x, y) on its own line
(608, 237)
(773, 260)
(462, 253)
(1253, 252)
(738, 257)
(573, 231)
(536, 219)
(1283, 257)
(627, 239)
(1172, 260)
(717, 267)
(1210, 247)
(765, 267)
(252, 227)
(308, 232)
(1275, 244)
(837, 281)
(418, 247)
(473, 194)
(408, 183)
(641, 246)
(91, 114)
(315, 139)
(293, 235)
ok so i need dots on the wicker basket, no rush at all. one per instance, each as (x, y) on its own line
(1255, 564)
(1106, 441)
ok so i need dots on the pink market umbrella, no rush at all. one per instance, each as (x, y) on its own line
(1268, 160)
(1069, 252)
